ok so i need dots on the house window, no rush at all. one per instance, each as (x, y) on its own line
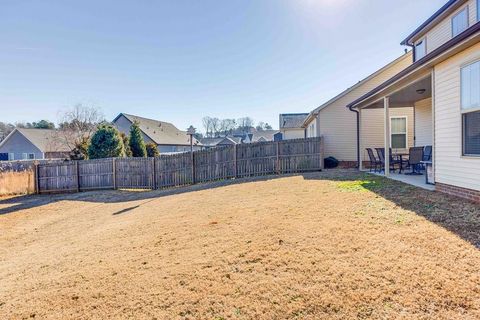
(398, 129)
(460, 22)
(11, 156)
(470, 101)
(420, 49)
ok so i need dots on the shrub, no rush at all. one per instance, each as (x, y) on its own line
(126, 144)
(152, 150)
(106, 142)
(137, 145)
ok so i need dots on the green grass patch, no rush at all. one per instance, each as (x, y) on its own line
(360, 185)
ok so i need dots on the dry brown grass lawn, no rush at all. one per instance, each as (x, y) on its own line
(335, 245)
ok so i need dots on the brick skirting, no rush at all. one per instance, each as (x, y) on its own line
(469, 194)
(352, 164)
(347, 164)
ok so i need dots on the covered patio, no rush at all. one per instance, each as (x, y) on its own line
(402, 146)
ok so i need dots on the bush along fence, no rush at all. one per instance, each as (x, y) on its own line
(167, 171)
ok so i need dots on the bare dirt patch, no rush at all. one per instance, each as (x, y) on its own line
(336, 245)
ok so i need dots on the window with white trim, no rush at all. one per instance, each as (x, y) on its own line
(420, 49)
(460, 22)
(11, 156)
(470, 103)
(398, 130)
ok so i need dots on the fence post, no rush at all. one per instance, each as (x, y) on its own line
(322, 160)
(37, 179)
(235, 168)
(192, 157)
(78, 176)
(114, 174)
(277, 162)
(154, 173)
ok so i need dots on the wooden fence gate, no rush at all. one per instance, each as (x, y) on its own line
(166, 171)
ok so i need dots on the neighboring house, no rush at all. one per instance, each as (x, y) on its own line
(29, 144)
(254, 136)
(218, 142)
(338, 125)
(165, 135)
(443, 84)
(291, 125)
(262, 136)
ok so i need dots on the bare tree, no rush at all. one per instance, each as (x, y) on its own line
(227, 126)
(207, 125)
(5, 129)
(245, 124)
(78, 124)
(215, 126)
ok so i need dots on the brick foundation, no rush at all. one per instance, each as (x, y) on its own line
(469, 194)
(352, 164)
(347, 164)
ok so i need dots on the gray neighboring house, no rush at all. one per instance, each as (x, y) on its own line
(165, 135)
(29, 144)
(291, 125)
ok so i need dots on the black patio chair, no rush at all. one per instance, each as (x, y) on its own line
(427, 153)
(415, 159)
(374, 162)
(393, 161)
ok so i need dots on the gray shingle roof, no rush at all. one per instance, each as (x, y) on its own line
(45, 139)
(161, 132)
(265, 135)
(292, 120)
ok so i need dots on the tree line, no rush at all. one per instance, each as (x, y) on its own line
(215, 127)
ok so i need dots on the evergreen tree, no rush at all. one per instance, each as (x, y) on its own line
(106, 142)
(137, 145)
(152, 150)
(126, 143)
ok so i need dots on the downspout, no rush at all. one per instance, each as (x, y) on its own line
(358, 134)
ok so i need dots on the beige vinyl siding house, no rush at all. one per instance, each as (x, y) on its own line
(291, 125)
(423, 122)
(452, 167)
(442, 32)
(338, 125)
(443, 85)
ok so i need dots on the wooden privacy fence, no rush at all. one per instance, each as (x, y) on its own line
(166, 171)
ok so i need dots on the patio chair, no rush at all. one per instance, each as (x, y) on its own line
(393, 161)
(415, 159)
(374, 162)
(427, 153)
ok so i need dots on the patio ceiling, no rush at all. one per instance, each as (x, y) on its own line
(407, 96)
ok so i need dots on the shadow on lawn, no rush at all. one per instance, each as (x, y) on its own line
(456, 215)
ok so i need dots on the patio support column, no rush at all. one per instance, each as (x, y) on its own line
(360, 129)
(386, 107)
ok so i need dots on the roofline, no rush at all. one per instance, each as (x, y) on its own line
(19, 131)
(420, 63)
(355, 86)
(294, 114)
(8, 136)
(123, 114)
(428, 21)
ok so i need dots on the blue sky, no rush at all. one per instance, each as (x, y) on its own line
(180, 60)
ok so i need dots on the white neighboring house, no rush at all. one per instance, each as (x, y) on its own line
(291, 125)
(30, 144)
(165, 135)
